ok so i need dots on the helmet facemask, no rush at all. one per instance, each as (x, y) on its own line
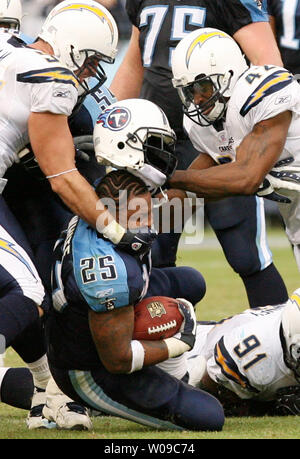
(158, 147)
(212, 88)
(291, 355)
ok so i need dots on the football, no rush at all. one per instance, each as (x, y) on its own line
(155, 318)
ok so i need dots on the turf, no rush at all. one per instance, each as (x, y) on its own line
(225, 296)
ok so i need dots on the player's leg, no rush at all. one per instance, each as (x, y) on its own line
(16, 387)
(150, 397)
(239, 224)
(177, 282)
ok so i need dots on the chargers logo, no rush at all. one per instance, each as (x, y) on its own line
(202, 38)
(97, 11)
(115, 119)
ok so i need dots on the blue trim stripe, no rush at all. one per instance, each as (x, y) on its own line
(264, 252)
(257, 14)
(89, 391)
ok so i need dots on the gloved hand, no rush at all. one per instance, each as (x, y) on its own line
(187, 332)
(137, 243)
(284, 176)
(288, 401)
(84, 142)
(184, 340)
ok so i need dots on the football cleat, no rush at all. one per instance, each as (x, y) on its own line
(70, 416)
(63, 411)
(35, 418)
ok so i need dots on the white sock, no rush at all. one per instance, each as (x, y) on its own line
(40, 372)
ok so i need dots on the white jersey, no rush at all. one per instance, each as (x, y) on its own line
(244, 353)
(260, 93)
(30, 81)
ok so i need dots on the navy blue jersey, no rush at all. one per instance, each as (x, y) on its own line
(88, 273)
(287, 19)
(163, 24)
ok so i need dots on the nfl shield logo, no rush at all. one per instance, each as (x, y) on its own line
(156, 309)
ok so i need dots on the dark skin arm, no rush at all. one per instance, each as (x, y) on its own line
(112, 335)
(256, 155)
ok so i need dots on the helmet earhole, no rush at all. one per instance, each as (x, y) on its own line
(121, 145)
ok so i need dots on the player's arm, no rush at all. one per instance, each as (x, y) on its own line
(256, 155)
(112, 334)
(259, 44)
(127, 82)
(53, 147)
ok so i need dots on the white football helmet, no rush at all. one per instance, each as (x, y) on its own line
(11, 13)
(206, 61)
(135, 134)
(79, 32)
(291, 333)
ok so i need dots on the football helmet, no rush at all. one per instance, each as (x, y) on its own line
(11, 13)
(290, 333)
(135, 134)
(207, 62)
(82, 34)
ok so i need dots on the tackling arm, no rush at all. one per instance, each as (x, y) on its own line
(127, 82)
(53, 147)
(256, 155)
(252, 36)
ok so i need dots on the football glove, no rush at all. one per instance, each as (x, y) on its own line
(84, 143)
(283, 176)
(187, 332)
(288, 401)
(137, 243)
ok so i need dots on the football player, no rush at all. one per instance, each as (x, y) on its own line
(251, 110)
(92, 355)
(43, 90)
(248, 360)
(239, 223)
(247, 366)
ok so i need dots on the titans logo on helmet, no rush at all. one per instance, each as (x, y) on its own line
(115, 119)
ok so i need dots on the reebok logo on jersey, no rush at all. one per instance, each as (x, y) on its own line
(63, 94)
(283, 100)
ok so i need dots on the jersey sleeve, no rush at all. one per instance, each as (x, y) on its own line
(277, 92)
(239, 13)
(132, 8)
(53, 89)
(105, 277)
(271, 7)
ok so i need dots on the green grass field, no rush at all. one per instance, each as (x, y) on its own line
(225, 296)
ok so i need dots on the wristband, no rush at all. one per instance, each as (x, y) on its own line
(138, 354)
(176, 347)
(113, 231)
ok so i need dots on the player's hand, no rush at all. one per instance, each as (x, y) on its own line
(187, 332)
(138, 243)
(282, 176)
(84, 143)
(288, 401)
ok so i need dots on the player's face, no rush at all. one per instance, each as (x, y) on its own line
(137, 213)
(202, 92)
(89, 67)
